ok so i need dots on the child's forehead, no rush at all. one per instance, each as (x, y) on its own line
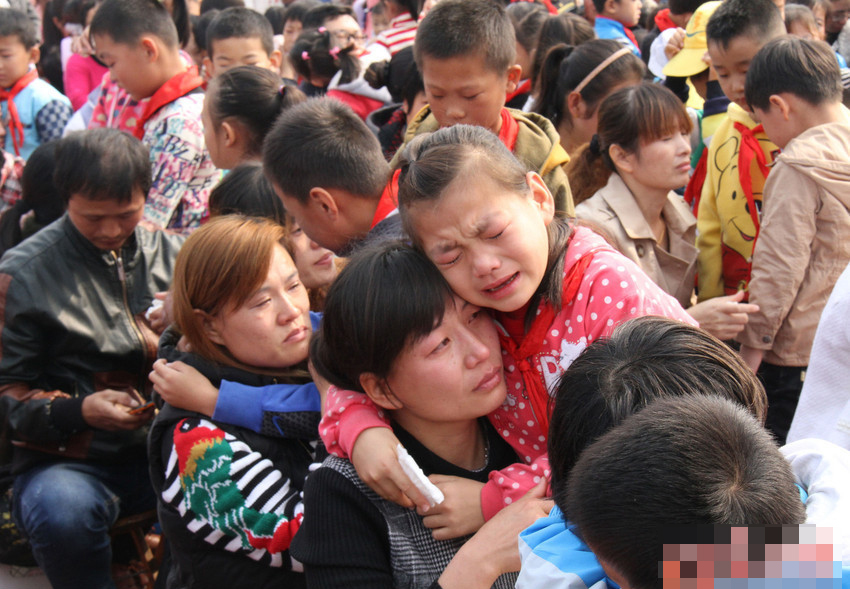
(237, 44)
(739, 51)
(12, 42)
(460, 68)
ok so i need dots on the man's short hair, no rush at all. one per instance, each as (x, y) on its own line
(14, 23)
(739, 18)
(298, 11)
(807, 69)
(455, 28)
(102, 164)
(207, 5)
(681, 460)
(322, 143)
(319, 15)
(684, 6)
(242, 23)
(127, 21)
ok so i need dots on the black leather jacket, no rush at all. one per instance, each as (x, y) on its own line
(72, 323)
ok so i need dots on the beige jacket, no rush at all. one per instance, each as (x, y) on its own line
(615, 213)
(804, 243)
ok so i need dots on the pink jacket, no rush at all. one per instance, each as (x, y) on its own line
(613, 290)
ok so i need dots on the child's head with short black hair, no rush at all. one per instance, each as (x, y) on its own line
(293, 21)
(789, 80)
(138, 42)
(319, 150)
(643, 360)
(245, 190)
(102, 165)
(18, 45)
(240, 36)
(466, 51)
(686, 460)
(324, 14)
(735, 33)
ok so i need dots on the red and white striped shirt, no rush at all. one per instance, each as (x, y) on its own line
(400, 34)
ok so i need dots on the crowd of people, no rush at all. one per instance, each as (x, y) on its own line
(434, 294)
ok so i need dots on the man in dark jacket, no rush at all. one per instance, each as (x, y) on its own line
(75, 351)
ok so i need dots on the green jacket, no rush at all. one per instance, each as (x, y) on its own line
(537, 146)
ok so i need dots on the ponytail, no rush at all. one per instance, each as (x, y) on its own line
(589, 170)
(314, 56)
(252, 96)
(550, 102)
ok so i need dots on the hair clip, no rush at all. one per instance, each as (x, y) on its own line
(594, 145)
(322, 30)
(334, 52)
(282, 89)
(305, 56)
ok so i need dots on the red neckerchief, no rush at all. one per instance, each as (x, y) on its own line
(693, 191)
(750, 149)
(16, 127)
(388, 201)
(179, 85)
(523, 351)
(509, 131)
(663, 21)
(523, 88)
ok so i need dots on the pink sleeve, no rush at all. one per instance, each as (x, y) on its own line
(347, 415)
(76, 79)
(510, 484)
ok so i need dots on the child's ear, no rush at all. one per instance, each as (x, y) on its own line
(576, 105)
(229, 133)
(542, 196)
(35, 54)
(777, 101)
(325, 201)
(275, 59)
(514, 76)
(622, 159)
(210, 325)
(609, 7)
(209, 68)
(150, 47)
(379, 391)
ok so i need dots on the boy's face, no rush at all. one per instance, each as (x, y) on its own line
(106, 223)
(626, 12)
(131, 66)
(732, 63)
(291, 29)
(464, 90)
(15, 60)
(235, 51)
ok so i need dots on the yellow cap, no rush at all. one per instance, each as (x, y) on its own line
(689, 62)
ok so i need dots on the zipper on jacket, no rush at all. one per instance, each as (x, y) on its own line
(122, 278)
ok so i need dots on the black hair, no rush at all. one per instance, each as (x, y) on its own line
(245, 190)
(565, 68)
(314, 55)
(527, 18)
(276, 17)
(684, 6)
(413, 7)
(252, 96)
(51, 35)
(456, 28)
(698, 460)
(565, 28)
(14, 23)
(810, 4)
(201, 26)
(370, 316)
(322, 143)
(400, 76)
(807, 69)
(744, 18)
(207, 5)
(102, 164)
(642, 113)
(243, 23)
(430, 163)
(643, 360)
(297, 11)
(319, 15)
(75, 11)
(38, 194)
(126, 21)
(800, 13)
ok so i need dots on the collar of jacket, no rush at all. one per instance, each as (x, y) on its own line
(130, 251)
